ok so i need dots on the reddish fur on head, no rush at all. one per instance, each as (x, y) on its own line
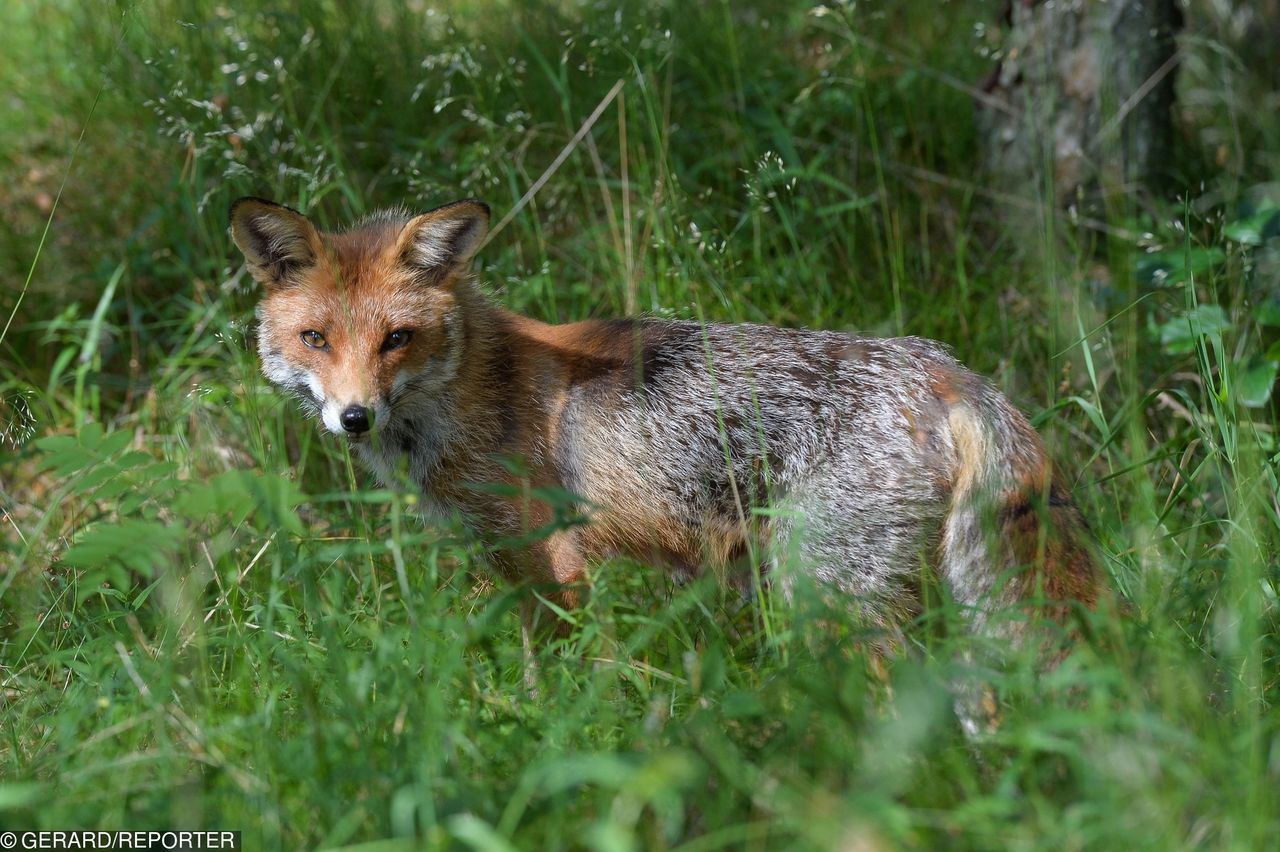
(392, 274)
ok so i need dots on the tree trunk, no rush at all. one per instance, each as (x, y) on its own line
(1080, 106)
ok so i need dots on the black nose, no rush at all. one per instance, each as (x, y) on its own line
(355, 419)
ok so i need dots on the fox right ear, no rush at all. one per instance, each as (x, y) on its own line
(441, 242)
(277, 242)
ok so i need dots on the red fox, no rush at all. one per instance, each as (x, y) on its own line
(872, 456)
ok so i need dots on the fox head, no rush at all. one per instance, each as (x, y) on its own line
(357, 324)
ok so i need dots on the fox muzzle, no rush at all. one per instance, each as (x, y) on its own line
(356, 419)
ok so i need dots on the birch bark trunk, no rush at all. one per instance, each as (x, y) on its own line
(1081, 103)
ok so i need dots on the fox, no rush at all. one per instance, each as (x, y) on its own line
(874, 459)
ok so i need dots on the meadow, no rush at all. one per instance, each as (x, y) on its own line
(211, 617)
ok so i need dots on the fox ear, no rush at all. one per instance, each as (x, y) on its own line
(277, 242)
(441, 242)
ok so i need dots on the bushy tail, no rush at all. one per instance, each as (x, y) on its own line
(1013, 534)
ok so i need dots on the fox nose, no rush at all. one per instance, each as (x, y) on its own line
(355, 419)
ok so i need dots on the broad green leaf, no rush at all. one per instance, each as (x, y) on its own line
(242, 492)
(68, 461)
(114, 442)
(133, 458)
(1267, 312)
(142, 596)
(1255, 383)
(19, 795)
(110, 591)
(54, 444)
(119, 484)
(100, 474)
(91, 436)
(135, 544)
(131, 501)
(1178, 336)
(1256, 229)
(1176, 266)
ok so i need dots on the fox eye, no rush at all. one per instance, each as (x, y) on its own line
(314, 339)
(396, 339)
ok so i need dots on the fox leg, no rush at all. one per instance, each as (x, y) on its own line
(560, 561)
(567, 563)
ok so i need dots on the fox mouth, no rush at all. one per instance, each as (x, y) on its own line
(372, 437)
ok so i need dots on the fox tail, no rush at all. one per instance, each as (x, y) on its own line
(1013, 535)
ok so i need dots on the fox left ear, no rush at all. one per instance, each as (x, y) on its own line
(441, 242)
(278, 242)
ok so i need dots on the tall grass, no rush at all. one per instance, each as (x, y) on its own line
(208, 616)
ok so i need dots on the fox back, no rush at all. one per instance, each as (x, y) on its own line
(873, 457)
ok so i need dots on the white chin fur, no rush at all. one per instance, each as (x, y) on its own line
(330, 414)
